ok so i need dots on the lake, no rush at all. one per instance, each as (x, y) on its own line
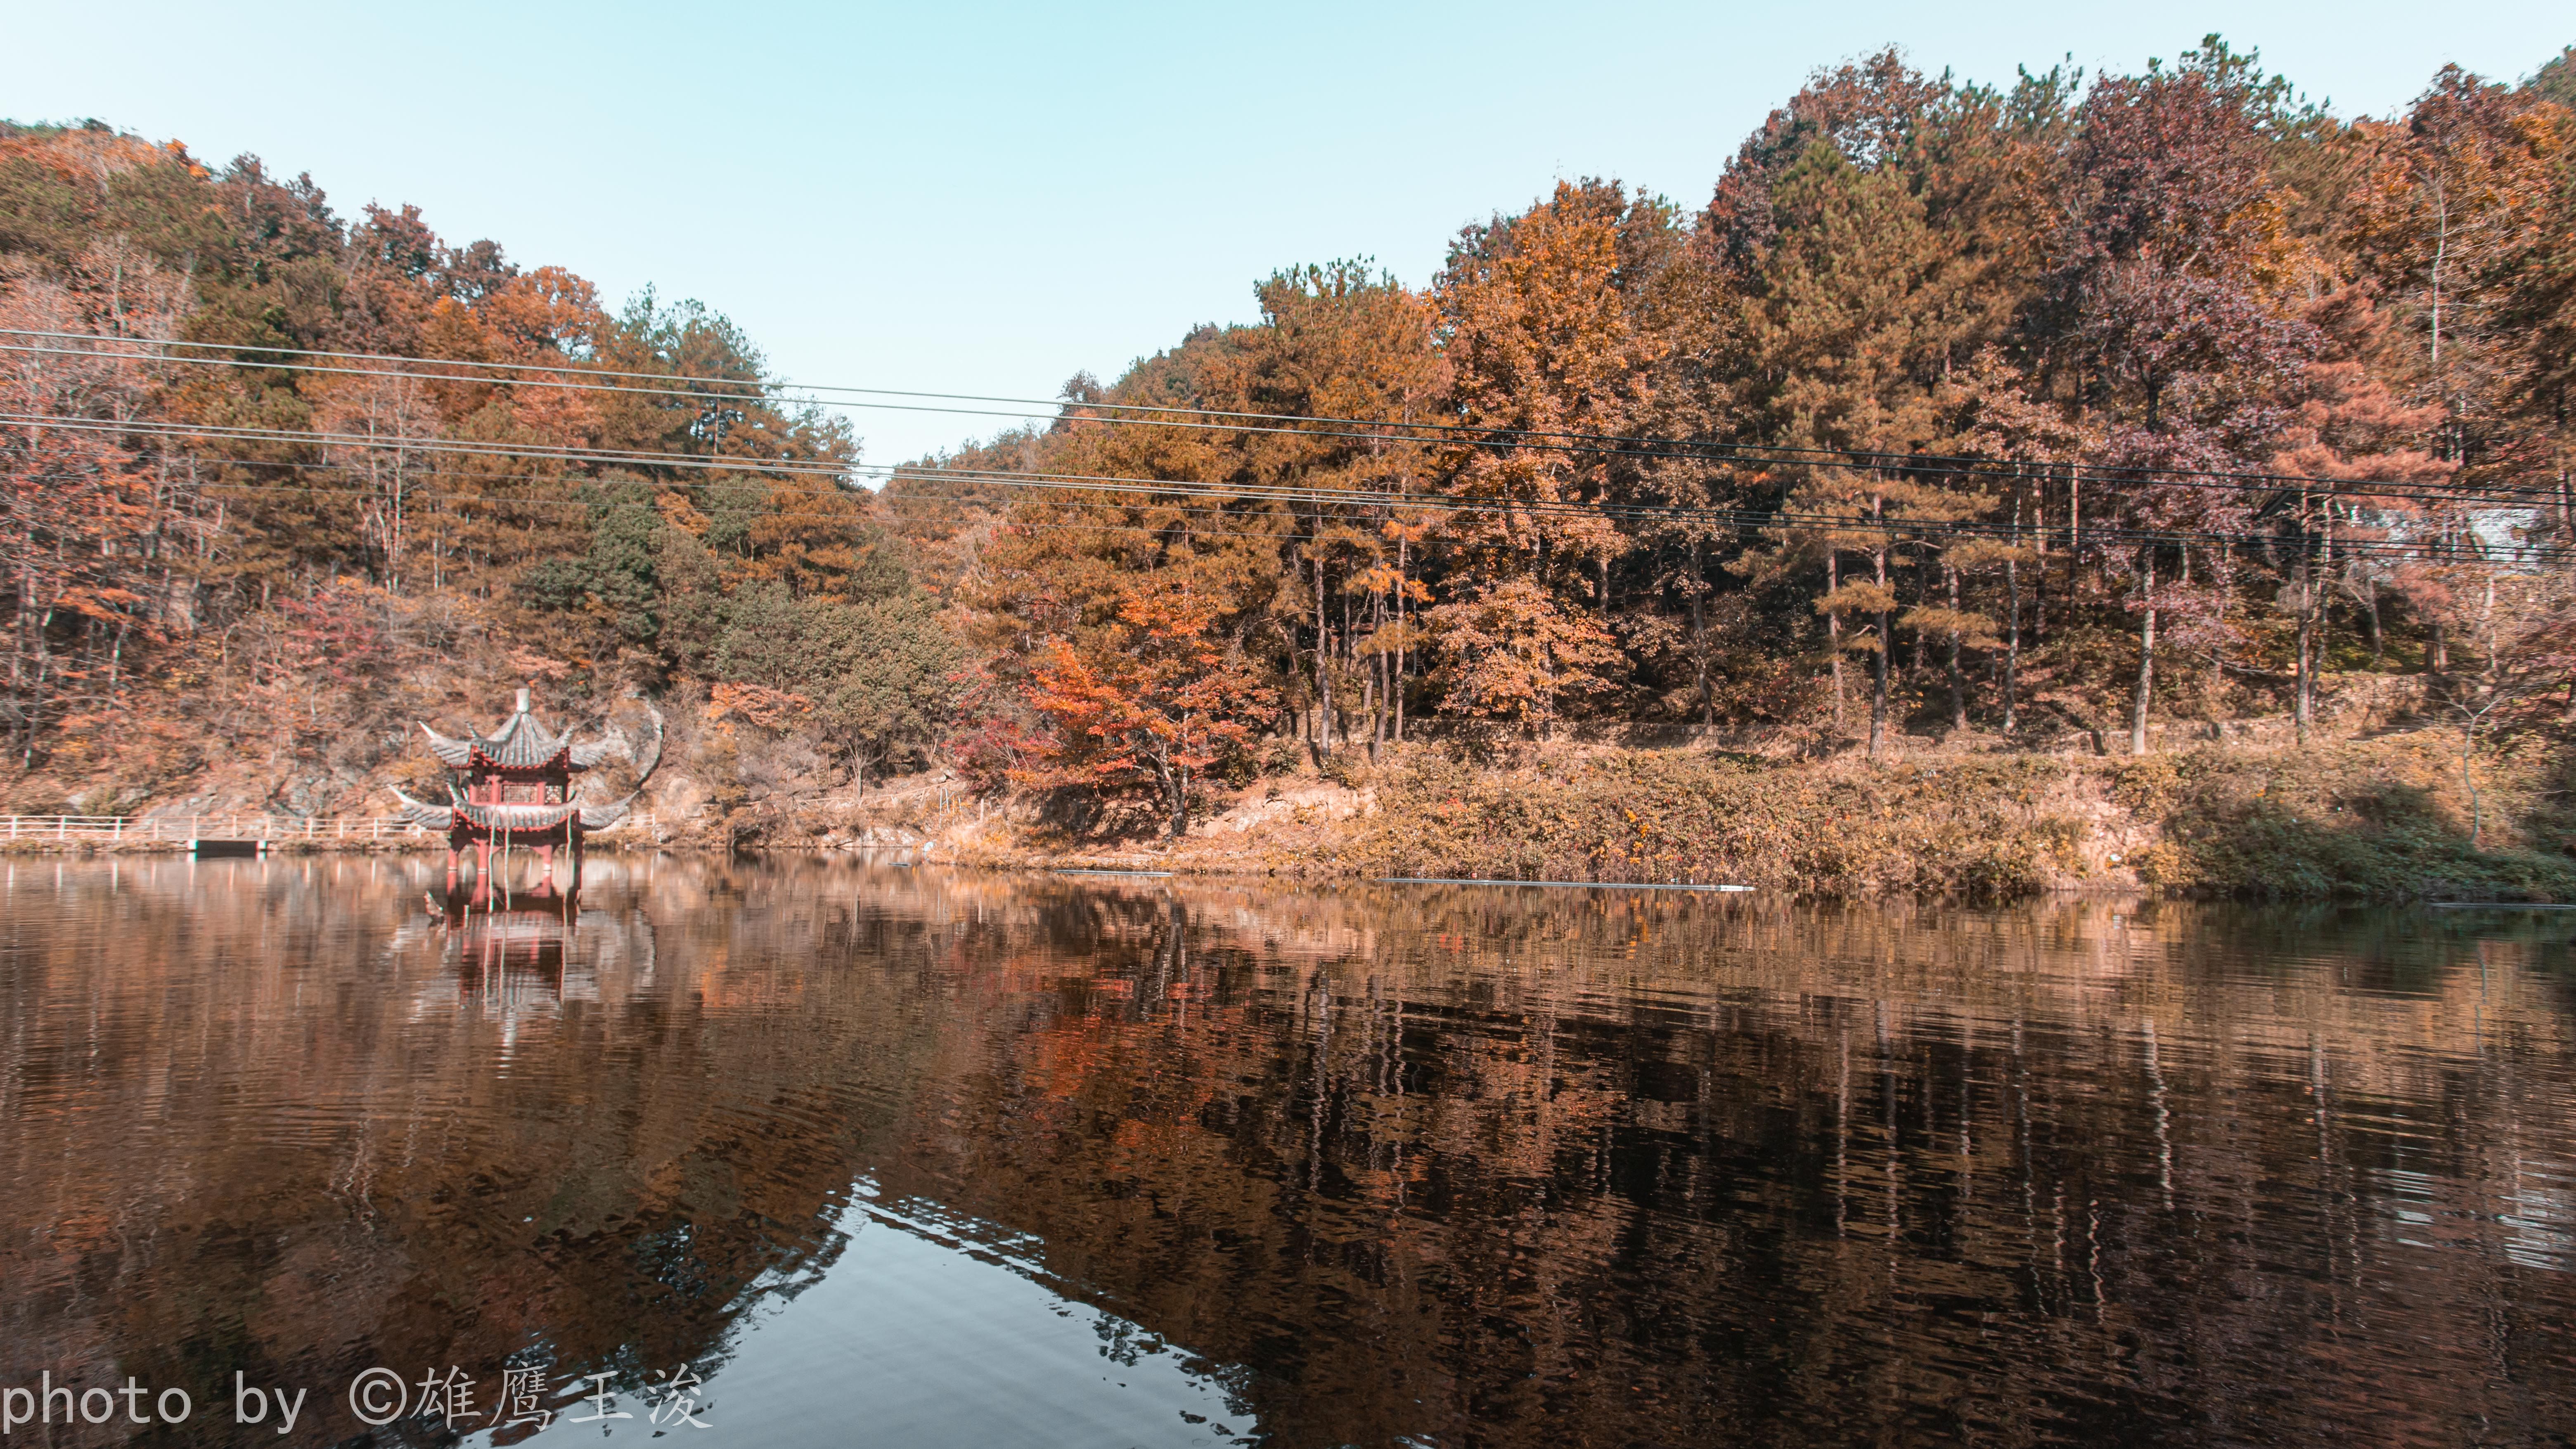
(807, 1151)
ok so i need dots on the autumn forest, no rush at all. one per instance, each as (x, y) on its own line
(2103, 416)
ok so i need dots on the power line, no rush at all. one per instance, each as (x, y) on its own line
(762, 394)
(1379, 430)
(1893, 526)
(2352, 548)
(460, 446)
(1015, 525)
(1288, 493)
(1896, 526)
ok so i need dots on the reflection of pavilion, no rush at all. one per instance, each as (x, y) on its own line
(515, 793)
(463, 904)
(531, 948)
(519, 957)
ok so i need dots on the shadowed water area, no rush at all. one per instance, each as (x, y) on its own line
(818, 1153)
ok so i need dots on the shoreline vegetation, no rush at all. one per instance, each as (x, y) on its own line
(2378, 819)
(2097, 482)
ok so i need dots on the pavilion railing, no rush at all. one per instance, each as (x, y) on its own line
(272, 829)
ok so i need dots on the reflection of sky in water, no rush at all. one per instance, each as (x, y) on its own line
(873, 1150)
(928, 1330)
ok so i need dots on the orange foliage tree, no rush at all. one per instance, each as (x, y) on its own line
(1549, 331)
(1154, 698)
(91, 513)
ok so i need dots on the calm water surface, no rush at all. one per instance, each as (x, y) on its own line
(815, 1153)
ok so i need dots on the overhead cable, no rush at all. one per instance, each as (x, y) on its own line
(583, 377)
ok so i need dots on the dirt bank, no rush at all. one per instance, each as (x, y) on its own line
(2386, 818)
(2377, 818)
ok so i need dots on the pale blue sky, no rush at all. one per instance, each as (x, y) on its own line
(986, 199)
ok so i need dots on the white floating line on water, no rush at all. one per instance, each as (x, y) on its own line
(1569, 885)
(1147, 874)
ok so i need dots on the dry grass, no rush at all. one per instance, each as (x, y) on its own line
(2380, 819)
(1977, 826)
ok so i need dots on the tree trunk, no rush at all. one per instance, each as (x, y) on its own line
(2146, 658)
(2322, 595)
(1958, 682)
(1878, 685)
(2304, 671)
(2012, 621)
(1323, 648)
(1922, 596)
(2039, 574)
(1374, 703)
(2486, 617)
(2074, 529)
(1379, 682)
(1699, 638)
(1349, 641)
(2469, 780)
(2218, 575)
(1834, 634)
(2303, 666)
(116, 653)
(2441, 250)
(1176, 792)
(1396, 685)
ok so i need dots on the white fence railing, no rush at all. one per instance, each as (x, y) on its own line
(273, 829)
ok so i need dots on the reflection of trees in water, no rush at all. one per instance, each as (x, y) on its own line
(283, 1131)
(1629, 1170)
(1566, 1169)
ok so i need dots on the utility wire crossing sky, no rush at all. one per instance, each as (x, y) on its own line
(989, 199)
(717, 390)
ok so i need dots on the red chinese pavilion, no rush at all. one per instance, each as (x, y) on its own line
(513, 788)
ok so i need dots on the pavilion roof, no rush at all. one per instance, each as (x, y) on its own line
(521, 743)
(514, 819)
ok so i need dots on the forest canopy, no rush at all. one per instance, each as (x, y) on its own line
(2091, 404)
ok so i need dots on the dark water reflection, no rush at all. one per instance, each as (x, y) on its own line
(884, 1156)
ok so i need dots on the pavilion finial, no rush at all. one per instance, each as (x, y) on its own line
(524, 691)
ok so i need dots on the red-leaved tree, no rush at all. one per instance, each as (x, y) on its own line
(1150, 700)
